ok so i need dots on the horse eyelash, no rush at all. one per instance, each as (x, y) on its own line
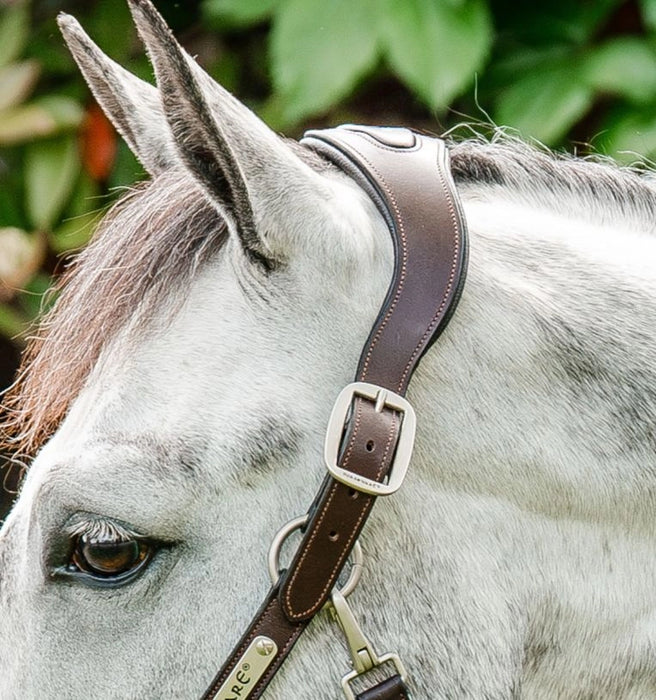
(101, 529)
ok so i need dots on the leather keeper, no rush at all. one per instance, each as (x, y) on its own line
(391, 689)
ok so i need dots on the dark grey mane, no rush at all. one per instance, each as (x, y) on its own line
(157, 236)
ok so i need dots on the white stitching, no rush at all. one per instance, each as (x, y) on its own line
(447, 291)
(365, 368)
(240, 650)
(288, 587)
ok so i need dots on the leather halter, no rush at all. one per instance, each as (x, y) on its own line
(372, 428)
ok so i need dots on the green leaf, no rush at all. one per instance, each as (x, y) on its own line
(226, 70)
(14, 31)
(16, 82)
(237, 13)
(625, 66)
(126, 169)
(12, 323)
(630, 136)
(37, 297)
(74, 233)
(544, 104)
(45, 47)
(513, 64)
(317, 56)
(43, 117)
(546, 23)
(648, 8)
(86, 197)
(435, 47)
(51, 169)
(11, 196)
(110, 24)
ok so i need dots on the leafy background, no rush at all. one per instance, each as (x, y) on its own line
(575, 75)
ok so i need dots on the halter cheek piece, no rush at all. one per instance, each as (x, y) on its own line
(371, 431)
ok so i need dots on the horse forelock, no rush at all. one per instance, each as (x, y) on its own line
(150, 244)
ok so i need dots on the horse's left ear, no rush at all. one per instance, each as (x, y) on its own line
(246, 169)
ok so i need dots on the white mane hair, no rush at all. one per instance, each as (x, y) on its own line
(178, 393)
(595, 188)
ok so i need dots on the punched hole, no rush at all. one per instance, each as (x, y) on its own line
(353, 494)
(333, 536)
(370, 446)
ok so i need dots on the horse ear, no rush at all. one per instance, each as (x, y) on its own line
(132, 105)
(246, 170)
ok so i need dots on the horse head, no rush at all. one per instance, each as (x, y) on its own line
(178, 393)
(197, 374)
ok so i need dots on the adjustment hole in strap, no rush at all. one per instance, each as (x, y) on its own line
(353, 494)
(273, 558)
(333, 536)
(370, 446)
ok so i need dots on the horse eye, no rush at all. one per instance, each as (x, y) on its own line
(107, 560)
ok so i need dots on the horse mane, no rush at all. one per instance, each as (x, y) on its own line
(150, 243)
(155, 238)
(594, 188)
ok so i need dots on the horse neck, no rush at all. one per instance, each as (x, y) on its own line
(530, 396)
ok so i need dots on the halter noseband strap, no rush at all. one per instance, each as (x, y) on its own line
(371, 431)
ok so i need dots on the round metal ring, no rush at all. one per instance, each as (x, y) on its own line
(273, 558)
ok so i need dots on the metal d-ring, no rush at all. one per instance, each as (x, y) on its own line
(273, 558)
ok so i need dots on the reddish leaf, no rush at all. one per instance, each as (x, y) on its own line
(99, 144)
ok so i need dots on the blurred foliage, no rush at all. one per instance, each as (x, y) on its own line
(557, 71)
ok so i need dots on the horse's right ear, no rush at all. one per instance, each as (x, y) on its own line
(132, 105)
(246, 170)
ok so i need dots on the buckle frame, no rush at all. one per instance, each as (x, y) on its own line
(383, 398)
(384, 658)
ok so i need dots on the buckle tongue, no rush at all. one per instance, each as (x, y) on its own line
(383, 398)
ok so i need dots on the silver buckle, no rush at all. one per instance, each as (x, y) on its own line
(383, 398)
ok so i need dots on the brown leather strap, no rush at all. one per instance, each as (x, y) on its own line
(271, 622)
(391, 689)
(340, 513)
(429, 261)
(407, 176)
